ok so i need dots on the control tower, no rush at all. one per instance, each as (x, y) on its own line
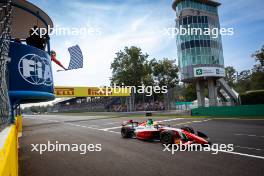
(200, 55)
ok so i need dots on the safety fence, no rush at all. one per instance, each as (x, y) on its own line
(5, 37)
(229, 111)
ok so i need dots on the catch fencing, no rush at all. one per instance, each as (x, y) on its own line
(5, 38)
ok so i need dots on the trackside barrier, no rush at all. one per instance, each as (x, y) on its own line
(9, 148)
(19, 125)
(244, 110)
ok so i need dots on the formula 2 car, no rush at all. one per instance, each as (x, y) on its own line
(149, 130)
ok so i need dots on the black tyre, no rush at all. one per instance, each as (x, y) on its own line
(167, 137)
(204, 136)
(126, 132)
(189, 129)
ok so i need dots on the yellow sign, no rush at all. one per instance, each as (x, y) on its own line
(91, 92)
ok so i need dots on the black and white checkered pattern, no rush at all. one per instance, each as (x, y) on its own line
(76, 58)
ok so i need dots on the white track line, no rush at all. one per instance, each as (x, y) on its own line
(249, 135)
(196, 121)
(106, 129)
(249, 148)
(243, 154)
(111, 123)
(114, 132)
(76, 125)
(94, 125)
(168, 120)
(41, 119)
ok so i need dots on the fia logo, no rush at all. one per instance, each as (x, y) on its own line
(35, 70)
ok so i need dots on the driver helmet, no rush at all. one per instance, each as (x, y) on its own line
(149, 122)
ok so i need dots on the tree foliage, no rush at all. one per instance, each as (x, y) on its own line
(130, 67)
(190, 92)
(133, 68)
(165, 72)
(230, 75)
(259, 57)
(248, 79)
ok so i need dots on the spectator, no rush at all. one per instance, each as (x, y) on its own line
(17, 40)
(35, 40)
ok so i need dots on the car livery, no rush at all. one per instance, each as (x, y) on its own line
(159, 131)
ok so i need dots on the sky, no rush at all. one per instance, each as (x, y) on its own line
(141, 23)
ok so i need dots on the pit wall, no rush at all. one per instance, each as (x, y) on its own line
(9, 148)
(229, 111)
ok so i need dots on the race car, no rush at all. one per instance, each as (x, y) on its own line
(156, 130)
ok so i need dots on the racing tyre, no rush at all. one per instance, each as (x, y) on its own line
(189, 129)
(204, 136)
(167, 137)
(126, 132)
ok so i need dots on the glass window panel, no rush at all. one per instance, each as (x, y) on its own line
(202, 19)
(202, 43)
(193, 51)
(203, 59)
(212, 60)
(189, 20)
(203, 51)
(180, 6)
(203, 7)
(192, 43)
(199, 60)
(193, 60)
(206, 19)
(207, 60)
(195, 19)
(185, 21)
(187, 44)
(197, 44)
(188, 51)
(199, 19)
(208, 52)
(209, 43)
(198, 51)
(182, 46)
(184, 4)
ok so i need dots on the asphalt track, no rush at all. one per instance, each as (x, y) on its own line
(133, 157)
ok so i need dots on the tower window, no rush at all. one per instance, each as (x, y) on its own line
(184, 21)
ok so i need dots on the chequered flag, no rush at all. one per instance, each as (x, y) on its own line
(76, 58)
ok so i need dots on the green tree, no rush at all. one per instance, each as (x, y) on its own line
(257, 77)
(259, 57)
(190, 92)
(257, 80)
(131, 67)
(230, 75)
(244, 81)
(165, 72)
